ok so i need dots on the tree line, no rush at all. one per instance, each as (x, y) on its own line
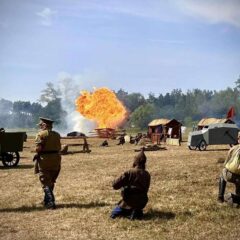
(188, 107)
(24, 114)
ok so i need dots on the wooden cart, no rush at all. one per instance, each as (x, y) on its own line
(11, 143)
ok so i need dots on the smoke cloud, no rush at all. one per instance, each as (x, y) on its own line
(70, 87)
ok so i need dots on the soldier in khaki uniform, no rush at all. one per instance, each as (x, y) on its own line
(231, 173)
(47, 159)
(135, 184)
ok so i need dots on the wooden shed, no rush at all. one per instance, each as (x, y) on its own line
(205, 122)
(161, 129)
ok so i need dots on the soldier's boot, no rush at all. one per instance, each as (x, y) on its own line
(52, 188)
(136, 214)
(45, 199)
(222, 187)
(232, 200)
(49, 199)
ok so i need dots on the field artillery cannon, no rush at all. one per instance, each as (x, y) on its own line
(11, 143)
(214, 134)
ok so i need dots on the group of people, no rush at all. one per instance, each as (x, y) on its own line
(133, 140)
(134, 183)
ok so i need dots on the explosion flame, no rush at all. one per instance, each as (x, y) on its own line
(103, 107)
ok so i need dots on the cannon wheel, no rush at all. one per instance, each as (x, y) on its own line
(10, 159)
(192, 147)
(202, 146)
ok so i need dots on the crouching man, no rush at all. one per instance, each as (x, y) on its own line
(231, 173)
(135, 184)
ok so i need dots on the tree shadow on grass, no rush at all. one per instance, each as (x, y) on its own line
(156, 214)
(26, 166)
(25, 209)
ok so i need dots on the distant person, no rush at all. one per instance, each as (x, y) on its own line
(47, 159)
(104, 144)
(121, 140)
(138, 138)
(230, 173)
(135, 184)
(132, 139)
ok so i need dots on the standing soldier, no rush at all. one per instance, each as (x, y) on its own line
(47, 159)
(135, 183)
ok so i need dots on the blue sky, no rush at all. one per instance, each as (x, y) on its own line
(138, 45)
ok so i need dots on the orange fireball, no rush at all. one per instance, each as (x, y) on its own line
(103, 107)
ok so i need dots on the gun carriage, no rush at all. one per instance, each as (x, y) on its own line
(11, 143)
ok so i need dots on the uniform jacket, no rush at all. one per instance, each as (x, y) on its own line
(50, 158)
(138, 180)
(232, 162)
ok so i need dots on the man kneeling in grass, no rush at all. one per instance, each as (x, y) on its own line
(231, 173)
(135, 183)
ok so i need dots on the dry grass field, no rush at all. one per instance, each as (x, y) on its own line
(182, 197)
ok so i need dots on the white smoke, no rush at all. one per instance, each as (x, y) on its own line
(70, 87)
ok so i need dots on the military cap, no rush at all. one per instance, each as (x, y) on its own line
(45, 120)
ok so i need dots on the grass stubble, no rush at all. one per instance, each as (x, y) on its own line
(182, 196)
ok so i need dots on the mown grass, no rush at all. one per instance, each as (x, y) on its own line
(182, 197)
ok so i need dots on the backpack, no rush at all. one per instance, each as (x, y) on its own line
(233, 164)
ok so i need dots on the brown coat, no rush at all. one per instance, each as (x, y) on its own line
(232, 162)
(139, 181)
(50, 158)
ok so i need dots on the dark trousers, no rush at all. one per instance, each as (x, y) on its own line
(233, 178)
(129, 213)
(48, 178)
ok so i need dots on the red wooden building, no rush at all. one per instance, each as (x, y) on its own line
(161, 129)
